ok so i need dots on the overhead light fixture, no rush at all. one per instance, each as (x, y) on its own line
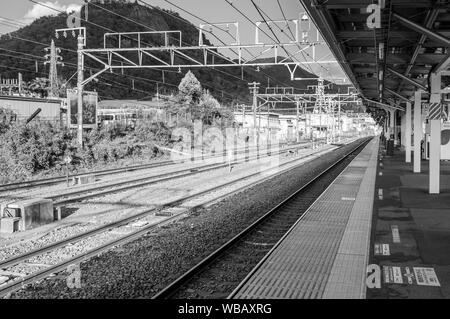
(381, 51)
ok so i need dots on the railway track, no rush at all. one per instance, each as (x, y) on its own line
(79, 195)
(62, 179)
(218, 275)
(20, 280)
(92, 191)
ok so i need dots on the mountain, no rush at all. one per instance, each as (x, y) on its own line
(225, 87)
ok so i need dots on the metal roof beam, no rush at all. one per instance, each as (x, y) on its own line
(397, 95)
(421, 29)
(368, 34)
(340, 4)
(395, 106)
(318, 16)
(443, 65)
(407, 79)
(429, 20)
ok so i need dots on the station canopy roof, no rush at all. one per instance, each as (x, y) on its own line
(412, 41)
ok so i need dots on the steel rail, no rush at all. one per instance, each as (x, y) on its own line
(260, 263)
(59, 179)
(97, 191)
(17, 284)
(172, 288)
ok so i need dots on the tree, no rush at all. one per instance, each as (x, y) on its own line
(190, 88)
(209, 108)
(198, 103)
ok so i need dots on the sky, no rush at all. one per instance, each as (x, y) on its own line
(214, 11)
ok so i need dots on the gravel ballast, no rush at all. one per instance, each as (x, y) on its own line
(141, 268)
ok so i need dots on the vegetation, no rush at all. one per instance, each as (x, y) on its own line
(192, 99)
(6, 119)
(377, 114)
(37, 147)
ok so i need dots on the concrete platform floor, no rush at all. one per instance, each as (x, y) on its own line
(410, 231)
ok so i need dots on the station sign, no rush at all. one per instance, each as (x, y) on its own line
(403, 275)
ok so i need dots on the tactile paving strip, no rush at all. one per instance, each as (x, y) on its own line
(301, 265)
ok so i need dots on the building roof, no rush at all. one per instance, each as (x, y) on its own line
(412, 40)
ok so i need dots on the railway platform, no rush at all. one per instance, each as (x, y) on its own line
(325, 254)
(376, 232)
(411, 233)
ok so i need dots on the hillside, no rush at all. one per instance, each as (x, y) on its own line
(225, 87)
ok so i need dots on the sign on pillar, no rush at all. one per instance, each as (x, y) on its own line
(435, 115)
(392, 134)
(407, 133)
(435, 111)
(417, 131)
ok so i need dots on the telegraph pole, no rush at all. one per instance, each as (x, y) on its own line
(254, 88)
(54, 59)
(297, 103)
(74, 26)
(80, 89)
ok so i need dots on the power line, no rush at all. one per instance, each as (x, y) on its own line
(260, 10)
(105, 28)
(67, 64)
(155, 8)
(292, 34)
(89, 68)
(13, 20)
(253, 23)
(221, 41)
(138, 23)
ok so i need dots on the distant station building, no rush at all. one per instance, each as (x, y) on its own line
(15, 97)
(124, 111)
(51, 110)
(264, 120)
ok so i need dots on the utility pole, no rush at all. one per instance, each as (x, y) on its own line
(243, 117)
(254, 88)
(86, 10)
(74, 26)
(80, 89)
(54, 59)
(297, 138)
(339, 119)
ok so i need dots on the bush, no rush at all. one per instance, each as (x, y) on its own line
(29, 149)
(153, 133)
(111, 151)
(35, 146)
(6, 119)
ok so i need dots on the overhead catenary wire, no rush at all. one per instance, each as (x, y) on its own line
(89, 68)
(110, 30)
(290, 31)
(156, 8)
(220, 40)
(152, 29)
(253, 23)
(318, 63)
(74, 66)
(67, 64)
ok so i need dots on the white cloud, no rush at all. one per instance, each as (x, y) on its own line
(38, 10)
